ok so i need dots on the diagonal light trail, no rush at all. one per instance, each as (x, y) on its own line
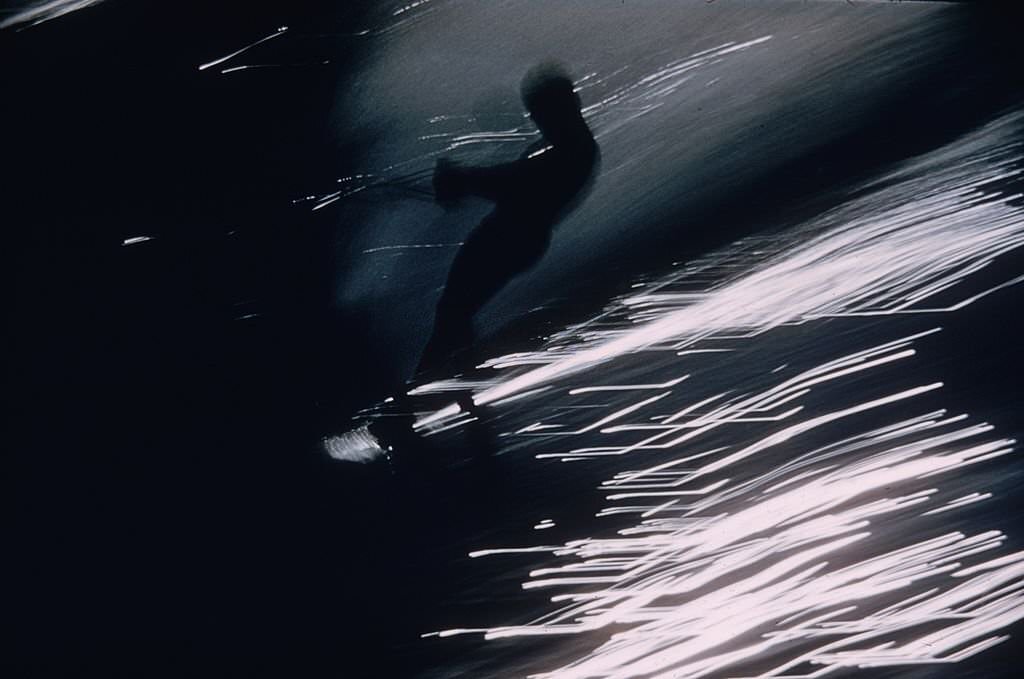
(790, 520)
(39, 12)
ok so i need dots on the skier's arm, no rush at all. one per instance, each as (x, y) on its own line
(453, 181)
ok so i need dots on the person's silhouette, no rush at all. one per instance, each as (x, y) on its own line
(530, 194)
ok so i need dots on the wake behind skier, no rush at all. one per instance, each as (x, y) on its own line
(531, 195)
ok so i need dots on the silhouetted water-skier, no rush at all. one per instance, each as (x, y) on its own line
(530, 194)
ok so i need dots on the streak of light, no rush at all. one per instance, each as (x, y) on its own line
(648, 93)
(251, 67)
(783, 563)
(416, 246)
(628, 387)
(216, 62)
(739, 580)
(45, 11)
(410, 6)
(616, 107)
(794, 524)
(885, 254)
(960, 502)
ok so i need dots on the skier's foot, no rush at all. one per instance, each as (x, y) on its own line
(466, 403)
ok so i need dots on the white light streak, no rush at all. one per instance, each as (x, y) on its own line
(217, 62)
(789, 523)
(414, 246)
(761, 566)
(45, 11)
(617, 106)
(885, 254)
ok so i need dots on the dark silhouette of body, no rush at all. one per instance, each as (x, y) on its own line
(530, 194)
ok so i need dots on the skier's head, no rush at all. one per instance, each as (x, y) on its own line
(552, 102)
